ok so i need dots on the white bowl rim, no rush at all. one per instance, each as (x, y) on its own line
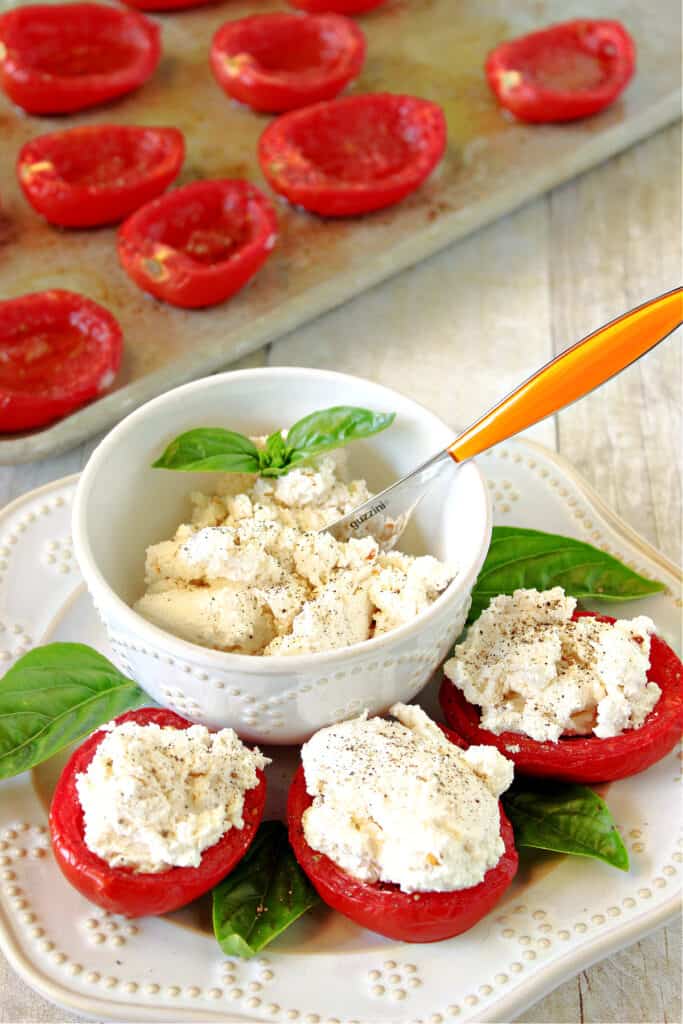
(248, 663)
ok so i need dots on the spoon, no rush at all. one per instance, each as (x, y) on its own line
(566, 378)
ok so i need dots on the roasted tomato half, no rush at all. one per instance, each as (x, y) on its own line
(355, 154)
(199, 244)
(383, 907)
(58, 350)
(586, 758)
(122, 890)
(98, 174)
(276, 62)
(57, 58)
(563, 72)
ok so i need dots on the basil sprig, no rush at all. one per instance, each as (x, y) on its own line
(520, 558)
(263, 896)
(565, 819)
(55, 695)
(212, 448)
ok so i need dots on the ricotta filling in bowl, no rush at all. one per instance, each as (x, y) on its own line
(396, 801)
(532, 669)
(251, 574)
(156, 797)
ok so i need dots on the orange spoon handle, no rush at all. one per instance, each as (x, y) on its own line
(574, 373)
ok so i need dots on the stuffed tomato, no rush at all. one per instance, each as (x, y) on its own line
(567, 695)
(151, 812)
(399, 828)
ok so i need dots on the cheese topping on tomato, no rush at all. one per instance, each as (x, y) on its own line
(533, 670)
(251, 574)
(396, 801)
(156, 797)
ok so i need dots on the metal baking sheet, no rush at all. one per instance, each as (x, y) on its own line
(432, 48)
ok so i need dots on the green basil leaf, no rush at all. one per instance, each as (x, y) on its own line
(210, 448)
(566, 819)
(265, 893)
(273, 460)
(333, 428)
(520, 558)
(54, 696)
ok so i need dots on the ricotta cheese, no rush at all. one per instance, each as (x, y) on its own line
(533, 670)
(396, 801)
(156, 797)
(251, 574)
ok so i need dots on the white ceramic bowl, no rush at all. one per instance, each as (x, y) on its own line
(122, 506)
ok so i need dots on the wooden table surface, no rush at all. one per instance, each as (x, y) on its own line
(457, 332)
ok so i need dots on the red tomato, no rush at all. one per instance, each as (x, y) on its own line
(563, 72)
(355, 154)
(64, 57)
(586, 758)
(336, 6)
(278, 62)
(381, 906)
(98, 174)
(122, 890)
(58, 350)
(198, 244)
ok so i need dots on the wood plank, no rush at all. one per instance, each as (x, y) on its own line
(615, 238)
(615, 241)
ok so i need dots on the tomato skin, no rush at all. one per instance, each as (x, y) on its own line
(120, 890)
(83, 343)
(355, 154)
(142, 163)
(586, 759)
(158, 245)
(244, 59)
(39, 39)
(381, 906)
(336, 6)
(510, 70)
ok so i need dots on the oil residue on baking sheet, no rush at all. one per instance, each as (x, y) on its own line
(443, 63)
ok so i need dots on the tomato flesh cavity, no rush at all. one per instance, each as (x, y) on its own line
(66, 57)
(277, 62)
(122, 890)
(355, 154)
(336, 6)
(199, 244)
(586, 759)
(98, 174)
(58, 350)
(564, 72)
(383, 907)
